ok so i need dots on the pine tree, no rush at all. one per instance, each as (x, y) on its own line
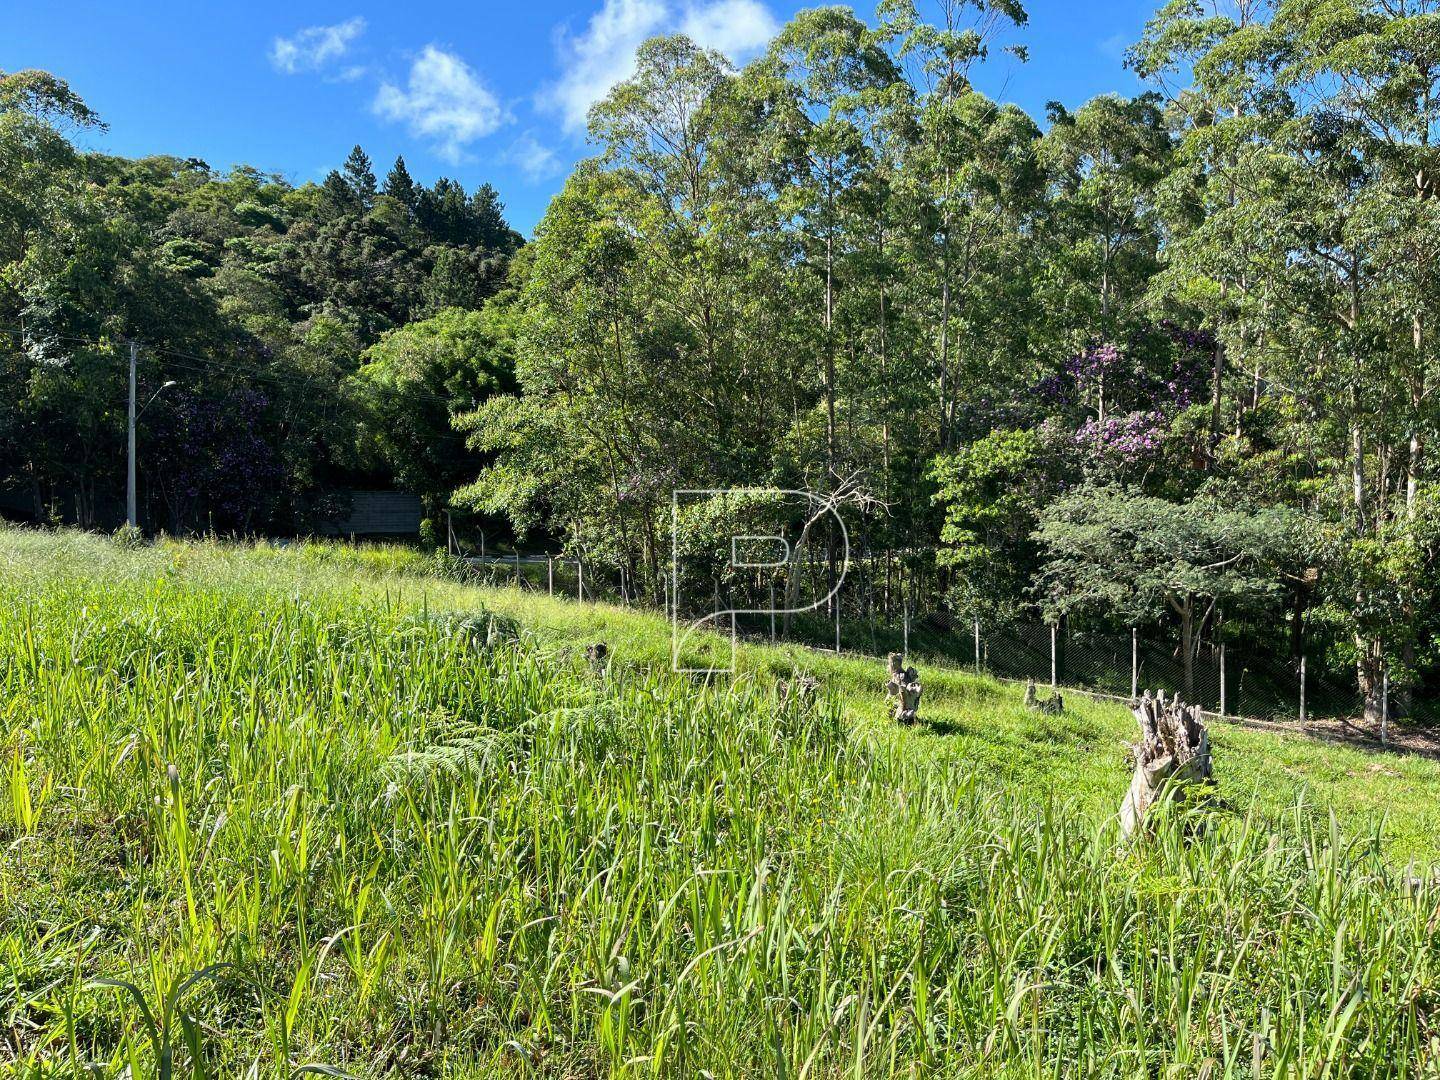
(488, 213)
(337, 197)
(444, 213)
(361, 177)
(399, 186)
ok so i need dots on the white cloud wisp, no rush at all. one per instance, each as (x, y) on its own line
(315, 47)
(443, 101)
(604, 54)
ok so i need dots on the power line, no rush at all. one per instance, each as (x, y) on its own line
(210, 364)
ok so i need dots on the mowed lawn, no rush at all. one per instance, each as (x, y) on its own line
(317, 807)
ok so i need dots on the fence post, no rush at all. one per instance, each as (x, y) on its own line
(1302, 688)
(905, 641)
(977, 644)
(1054, 654)
(580, 580)
(517, 569)
(837, 626)
(550, 574)
(1222, 679)
(1134, 663)
(1385, 704)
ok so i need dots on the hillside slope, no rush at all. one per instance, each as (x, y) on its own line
(417, 844)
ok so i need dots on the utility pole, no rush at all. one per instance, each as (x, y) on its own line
(131, 514)
(132, 510)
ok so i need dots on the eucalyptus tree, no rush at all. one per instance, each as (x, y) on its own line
(40, 169)
(951, 183)
(675, 138)
(41, 192)
(1303, 223)
(578, 440)
(1103, 163)
(639, 340)
(825, 85)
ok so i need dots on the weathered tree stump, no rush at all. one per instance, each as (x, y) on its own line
(897, 674)
(903, 687)
(1173, 753)
(1054, 705)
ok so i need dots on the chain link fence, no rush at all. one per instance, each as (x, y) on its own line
(883, 609)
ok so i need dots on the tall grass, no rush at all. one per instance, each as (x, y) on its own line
(325, 829)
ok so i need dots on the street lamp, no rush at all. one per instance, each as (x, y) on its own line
(163, 387)
(131, 513)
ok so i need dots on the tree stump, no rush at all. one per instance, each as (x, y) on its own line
(1054, 705)
(897, 675)
(903, 687)
(1173, 753)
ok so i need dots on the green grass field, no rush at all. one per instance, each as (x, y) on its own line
(274, 809)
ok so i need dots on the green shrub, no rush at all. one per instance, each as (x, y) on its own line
(128, 537)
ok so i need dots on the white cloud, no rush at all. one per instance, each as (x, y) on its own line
(737, 28)
(601, 57)
(444, 101)
(604, 54)
(314, 47)
(536, 160)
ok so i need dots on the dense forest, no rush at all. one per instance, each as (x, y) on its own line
(1141, 361)
(314, 336)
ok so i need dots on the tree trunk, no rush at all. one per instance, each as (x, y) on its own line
(1173, 753)
(1369, 676)
(1413, 466)
(1297, 623)
(1186, 611)
(792, 575)
(1217, 384)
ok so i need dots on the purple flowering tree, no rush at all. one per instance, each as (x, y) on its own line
(1116, 406)
(212, 464)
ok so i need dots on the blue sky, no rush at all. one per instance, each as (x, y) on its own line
(478, 90)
